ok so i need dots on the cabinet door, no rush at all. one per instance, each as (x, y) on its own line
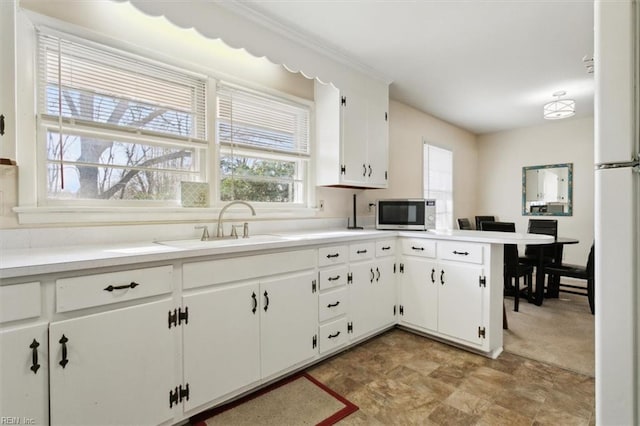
(289, 321)
(119, 367)
(221, 342)
(384, 296)
(24, 374)
(354, 138)
(461, 301)
(419, 293)
(362, 298)
(378, 135)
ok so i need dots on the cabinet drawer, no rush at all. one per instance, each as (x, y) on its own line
(460, 251)
(112, 287)
(333, 335)
(419, 247)
(361, 251)
(20, 301)
(385, 248)
(332, 304)
(333, 277)
(332, 255)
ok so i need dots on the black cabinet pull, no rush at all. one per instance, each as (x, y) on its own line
(63, 341)
(1, 124)
(463, 253)
(370, 170)
(337, 277)
(361, 251)
(417, 248)
(364, 170)
(255, 302)
(442, 277)
(372, 276)
(386, 248)
(333, 305)
(329, 256)
(331, 336)
(34, 356)
(433, 280)
(377, 274)
(266, 300)
(132, 284)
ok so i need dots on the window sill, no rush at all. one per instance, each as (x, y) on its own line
(126, 215)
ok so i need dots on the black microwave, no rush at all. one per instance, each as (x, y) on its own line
(414, 214)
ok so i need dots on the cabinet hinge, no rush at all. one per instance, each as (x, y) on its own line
(350, 278)
(343, 101)
(394, 268)
(314, 286)
(178, 394)
(482, 332)
(483, 281)
(350, 327)
(402, 268)
(386, 175)
(178, 316)
(314, 341)
(343, 169)
(394, 310)
(386, 117)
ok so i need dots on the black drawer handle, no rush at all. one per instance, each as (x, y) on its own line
(266, 300)
(1, 124)
(372, 276)
(442, 277)
(331, 336)
(370, 171)
(361, 251)
(333, 305)
(418, 248)
(377, 274)
(463, 253)
(34, 356)
(364, 170)
(386, 248)
(329, 256)
(255, 302)
(337, 277)
(133, 284)
(63, 341)
(433, 271)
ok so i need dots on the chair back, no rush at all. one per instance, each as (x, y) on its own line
(591, 262)
(510, 250)
(498, 226)
(543, 227)
(480, 219)
(464, 223)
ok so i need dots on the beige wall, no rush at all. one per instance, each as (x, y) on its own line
(408, 127)
(501, 157)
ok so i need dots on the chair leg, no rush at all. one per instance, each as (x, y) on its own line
(505, 324)
(590, 296)
(516, 302)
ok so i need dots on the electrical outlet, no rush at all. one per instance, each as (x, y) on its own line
(321, 205)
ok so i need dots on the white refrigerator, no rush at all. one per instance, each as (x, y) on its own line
(617, 210)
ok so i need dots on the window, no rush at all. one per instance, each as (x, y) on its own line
(116, 127)
(438, 183)
(264, 147)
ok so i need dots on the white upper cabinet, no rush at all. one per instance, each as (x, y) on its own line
(352, 135)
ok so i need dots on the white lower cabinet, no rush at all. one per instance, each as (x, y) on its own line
(418, 293)
(115, 367)
(24, 373)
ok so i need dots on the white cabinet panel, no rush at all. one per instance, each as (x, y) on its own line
(460, 305)
(333, 335)
(24, 374)
(20, 301)
(119, 367)
(419, 293)
(333, 304)
(460, 251)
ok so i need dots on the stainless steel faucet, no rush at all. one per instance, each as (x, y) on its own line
(219, 228)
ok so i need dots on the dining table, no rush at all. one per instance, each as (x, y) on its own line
(558, 246)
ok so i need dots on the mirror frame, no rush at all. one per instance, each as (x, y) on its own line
(569, 211)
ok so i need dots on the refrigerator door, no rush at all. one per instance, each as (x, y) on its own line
(616, 280)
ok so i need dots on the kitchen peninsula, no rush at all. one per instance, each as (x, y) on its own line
(182, 326)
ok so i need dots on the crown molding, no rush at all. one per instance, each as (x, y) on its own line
(299, 36)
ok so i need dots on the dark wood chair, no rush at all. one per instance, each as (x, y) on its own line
(513, 269)
(543, 227)
(575, 271)
(464, 223)
(480, 219)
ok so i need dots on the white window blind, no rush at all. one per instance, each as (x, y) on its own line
(117, 126)
(438, 183)
(264, 146)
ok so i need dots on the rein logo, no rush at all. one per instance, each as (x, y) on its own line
(6, 420)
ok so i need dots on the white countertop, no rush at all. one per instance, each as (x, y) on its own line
(35, 261)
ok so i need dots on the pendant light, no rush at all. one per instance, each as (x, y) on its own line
(560, 108)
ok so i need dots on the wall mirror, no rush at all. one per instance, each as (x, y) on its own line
(547, 190)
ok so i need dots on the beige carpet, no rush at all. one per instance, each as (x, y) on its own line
(301, 401)
(560, 332)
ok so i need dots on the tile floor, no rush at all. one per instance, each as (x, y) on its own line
(399, 378)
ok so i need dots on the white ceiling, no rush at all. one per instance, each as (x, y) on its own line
(484, 66)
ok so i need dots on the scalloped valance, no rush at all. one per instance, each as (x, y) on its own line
(240, 27)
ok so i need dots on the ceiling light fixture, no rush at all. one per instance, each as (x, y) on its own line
(560, 108)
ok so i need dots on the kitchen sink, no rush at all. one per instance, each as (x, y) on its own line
(222, 242)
